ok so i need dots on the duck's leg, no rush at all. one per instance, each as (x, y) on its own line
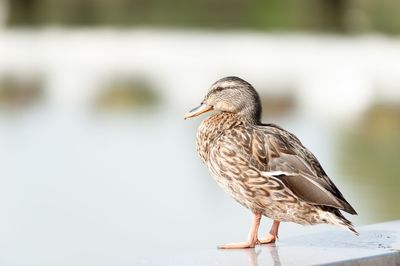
(253, 236)
(273, 234)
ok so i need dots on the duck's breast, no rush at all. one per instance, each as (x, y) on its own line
(211, 129)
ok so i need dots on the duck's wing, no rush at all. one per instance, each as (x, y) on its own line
(278, 153)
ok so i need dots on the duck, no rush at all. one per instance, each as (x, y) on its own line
(262, 166)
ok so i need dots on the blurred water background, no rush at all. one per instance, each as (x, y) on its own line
(98, 166)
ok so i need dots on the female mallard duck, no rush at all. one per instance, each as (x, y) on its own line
(262, 166)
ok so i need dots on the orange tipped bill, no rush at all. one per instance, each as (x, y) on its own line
(202, 108)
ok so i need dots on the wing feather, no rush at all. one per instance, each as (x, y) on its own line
(299, 170)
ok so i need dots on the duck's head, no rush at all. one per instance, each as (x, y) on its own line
(233, 95)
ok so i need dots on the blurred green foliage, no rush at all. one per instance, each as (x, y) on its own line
(276, 15)
(17, 92)
(278, 105)
(371, 153)
(126, 94)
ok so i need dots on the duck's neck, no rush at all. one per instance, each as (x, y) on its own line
(252, 113)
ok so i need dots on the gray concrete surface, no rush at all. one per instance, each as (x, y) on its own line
(377, 244)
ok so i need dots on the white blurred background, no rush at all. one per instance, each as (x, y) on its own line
(99, 167)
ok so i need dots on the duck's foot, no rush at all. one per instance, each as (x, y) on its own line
(273, 234)
(238, 245)
(268, 240)
(253, 236)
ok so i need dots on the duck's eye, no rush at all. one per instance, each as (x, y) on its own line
(218, 89)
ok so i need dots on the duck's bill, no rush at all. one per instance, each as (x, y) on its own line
(202, 108)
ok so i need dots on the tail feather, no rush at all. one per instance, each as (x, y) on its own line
(337, 218)
(348, 225)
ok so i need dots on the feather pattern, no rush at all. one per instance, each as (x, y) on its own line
(268, 170)
(262, 166)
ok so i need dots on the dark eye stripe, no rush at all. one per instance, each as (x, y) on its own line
(214, 91)
(218, 89)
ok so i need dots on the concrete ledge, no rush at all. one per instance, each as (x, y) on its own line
(378, 244)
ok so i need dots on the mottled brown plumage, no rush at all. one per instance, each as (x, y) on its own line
(262, 166)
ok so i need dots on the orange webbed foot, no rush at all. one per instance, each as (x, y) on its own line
(269, 240)
(240, 245)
